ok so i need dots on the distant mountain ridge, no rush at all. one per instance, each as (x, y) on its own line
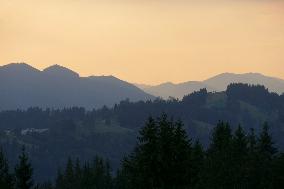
(23, 86)
(217, 83)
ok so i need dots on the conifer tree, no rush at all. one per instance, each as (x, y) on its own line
(77, 174)
(161, 158)
(6, 179)
(240, 159)
(265, 144)
(24, 172)
(69, 176)
(265, 154)
(166, 152)
(181, 157)
(59, 182)
(99, 172)
(87, 176)
(142, 165)
(218, 168)
(252, 160)
(198, 157)
(108, 177)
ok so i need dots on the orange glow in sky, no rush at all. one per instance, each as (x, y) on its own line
(145, 41)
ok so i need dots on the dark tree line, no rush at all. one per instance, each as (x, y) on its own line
(193, 106)
(90, 175)
(166, 158)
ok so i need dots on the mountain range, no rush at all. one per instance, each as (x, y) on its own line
(23, 86)
(217, 83)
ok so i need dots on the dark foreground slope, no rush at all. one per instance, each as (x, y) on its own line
(23, 86)
(52, 135)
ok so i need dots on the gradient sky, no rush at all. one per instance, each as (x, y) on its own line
(145, 41)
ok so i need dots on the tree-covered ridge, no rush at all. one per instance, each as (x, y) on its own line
(51, 135)
(166, 158)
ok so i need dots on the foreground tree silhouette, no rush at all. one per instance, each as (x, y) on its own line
(240, 159)
(265, 155)
(161, 158)
(218, 169)
(24, 172)
(197, 158)
(69, 175)
(5, 177)
(146, 153)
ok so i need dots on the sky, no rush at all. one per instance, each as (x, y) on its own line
(145, 41)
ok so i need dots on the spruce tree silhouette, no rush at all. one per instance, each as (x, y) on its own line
(6, 179)
(24, 172)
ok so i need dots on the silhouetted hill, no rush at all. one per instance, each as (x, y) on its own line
(217, 83)
(60, 71)
(220, 82)
(23, 86)
(169, 89)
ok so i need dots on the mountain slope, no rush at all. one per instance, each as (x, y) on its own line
(166, 90)
(217, 83)
(220, 82)
(23, 86)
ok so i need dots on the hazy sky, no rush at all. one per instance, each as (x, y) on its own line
(145, 41)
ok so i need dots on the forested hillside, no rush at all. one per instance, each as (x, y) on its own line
(51, 136)
(166, 158)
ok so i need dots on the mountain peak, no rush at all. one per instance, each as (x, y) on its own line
(60, 71)
(19, 67)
